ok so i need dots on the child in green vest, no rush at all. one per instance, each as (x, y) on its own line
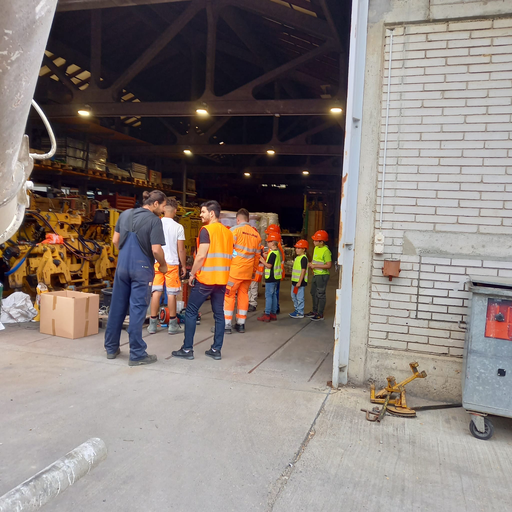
(299, 278)
(273, 275)
(322, 262)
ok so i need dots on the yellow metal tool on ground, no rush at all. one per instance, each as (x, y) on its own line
(396, 406)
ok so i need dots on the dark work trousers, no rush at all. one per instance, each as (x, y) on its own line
(198, 294)
(132, 287)
(318, 288)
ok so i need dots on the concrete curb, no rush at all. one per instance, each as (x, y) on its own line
(38, 490)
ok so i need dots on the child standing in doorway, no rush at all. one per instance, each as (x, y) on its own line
(299, 278)
(322, 262)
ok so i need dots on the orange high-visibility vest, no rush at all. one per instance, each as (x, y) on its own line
(246, 246)
(258, 275)
(215, 269)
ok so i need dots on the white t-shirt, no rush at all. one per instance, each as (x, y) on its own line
(173, 232)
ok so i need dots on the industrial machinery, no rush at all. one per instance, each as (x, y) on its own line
(191, 221)
(62, 242)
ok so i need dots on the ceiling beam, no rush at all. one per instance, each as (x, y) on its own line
(216, 107)
(82, 5)
(231, 149)
(274, 170)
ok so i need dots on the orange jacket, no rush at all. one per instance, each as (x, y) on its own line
(280, 248)
(245, 261)
(258, 275)
(215, 269)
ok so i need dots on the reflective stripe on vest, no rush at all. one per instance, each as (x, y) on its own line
(297, 269)
(216, 266)
(277, 266)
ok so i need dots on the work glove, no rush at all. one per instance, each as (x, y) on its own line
(295, 290)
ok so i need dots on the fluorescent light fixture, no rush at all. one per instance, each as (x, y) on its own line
(187, 152)
(201, 111)
(336, 110)
(84, 111)
(271, 152)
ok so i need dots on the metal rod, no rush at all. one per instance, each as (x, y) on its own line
(383, 188)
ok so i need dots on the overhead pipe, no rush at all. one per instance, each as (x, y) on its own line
(24, 28)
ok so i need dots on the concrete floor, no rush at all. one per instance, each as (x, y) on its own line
(258, 430)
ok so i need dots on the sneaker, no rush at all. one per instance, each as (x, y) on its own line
(273, 318)
(147, 360)
(183, 354)
(215, 354)
(311, 314)
(114, 355)
(227, 329)
(317, 318)
(240, 328)
(153, 322)
(264, 318)
(278, 310)
(251, 309)
(174, 327)
(295, 314)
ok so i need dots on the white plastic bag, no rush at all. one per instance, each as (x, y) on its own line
(17, 308)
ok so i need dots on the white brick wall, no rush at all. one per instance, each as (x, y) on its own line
(448, 169)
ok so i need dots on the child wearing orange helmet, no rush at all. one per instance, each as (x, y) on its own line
(322, 262)
(273, 275)
(299, 278)
(274, 228)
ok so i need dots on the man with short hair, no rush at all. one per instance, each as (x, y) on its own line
(244, 265)
(139, 237)
(174, 250)
(208, 278)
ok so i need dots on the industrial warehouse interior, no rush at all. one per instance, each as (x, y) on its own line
(283, 113)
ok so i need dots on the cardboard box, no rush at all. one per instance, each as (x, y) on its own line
(69, 314)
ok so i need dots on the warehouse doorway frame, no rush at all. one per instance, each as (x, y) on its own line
(349, 184)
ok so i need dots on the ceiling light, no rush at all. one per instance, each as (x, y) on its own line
(221, 143)
(305, 172)
(336, 110)
(247, 174)
(201, 111)
(271, 152)
(84, 111)
(187, 152)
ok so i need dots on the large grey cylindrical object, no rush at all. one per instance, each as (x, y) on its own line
(50, 482)
(24, 29)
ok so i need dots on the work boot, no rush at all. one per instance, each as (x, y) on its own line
(153, 322)
(114, 355)
(184, 354)
(227, 329)
(240, 328)
(147, 360)
(264, 318)
(273, 318)
(214, 354)
(174, 327)
(311, 314)
(251, 309)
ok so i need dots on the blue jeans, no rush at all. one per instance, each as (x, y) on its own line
(198, 294)
(270, 298)
(298, 300)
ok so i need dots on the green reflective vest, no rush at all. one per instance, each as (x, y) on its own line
(278, 273)
(321, 256)
(297, 269)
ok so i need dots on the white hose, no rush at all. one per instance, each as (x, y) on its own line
(37, 156)
(386, 131)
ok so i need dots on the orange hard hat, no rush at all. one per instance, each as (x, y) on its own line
(302, 244)
(321, 236)
(273, 228)
(273, 237)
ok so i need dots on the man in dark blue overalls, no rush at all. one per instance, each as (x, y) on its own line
(139, 236)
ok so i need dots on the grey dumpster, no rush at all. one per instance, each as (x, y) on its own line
(487, 371)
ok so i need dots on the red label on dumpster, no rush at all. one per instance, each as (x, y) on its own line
(499, 319)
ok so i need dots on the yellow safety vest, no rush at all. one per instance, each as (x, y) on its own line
(297, 269)
(321, 256)
(277, 266)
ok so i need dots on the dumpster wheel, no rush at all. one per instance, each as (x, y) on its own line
(488, 432)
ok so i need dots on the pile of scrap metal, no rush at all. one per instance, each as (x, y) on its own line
(63, 243)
